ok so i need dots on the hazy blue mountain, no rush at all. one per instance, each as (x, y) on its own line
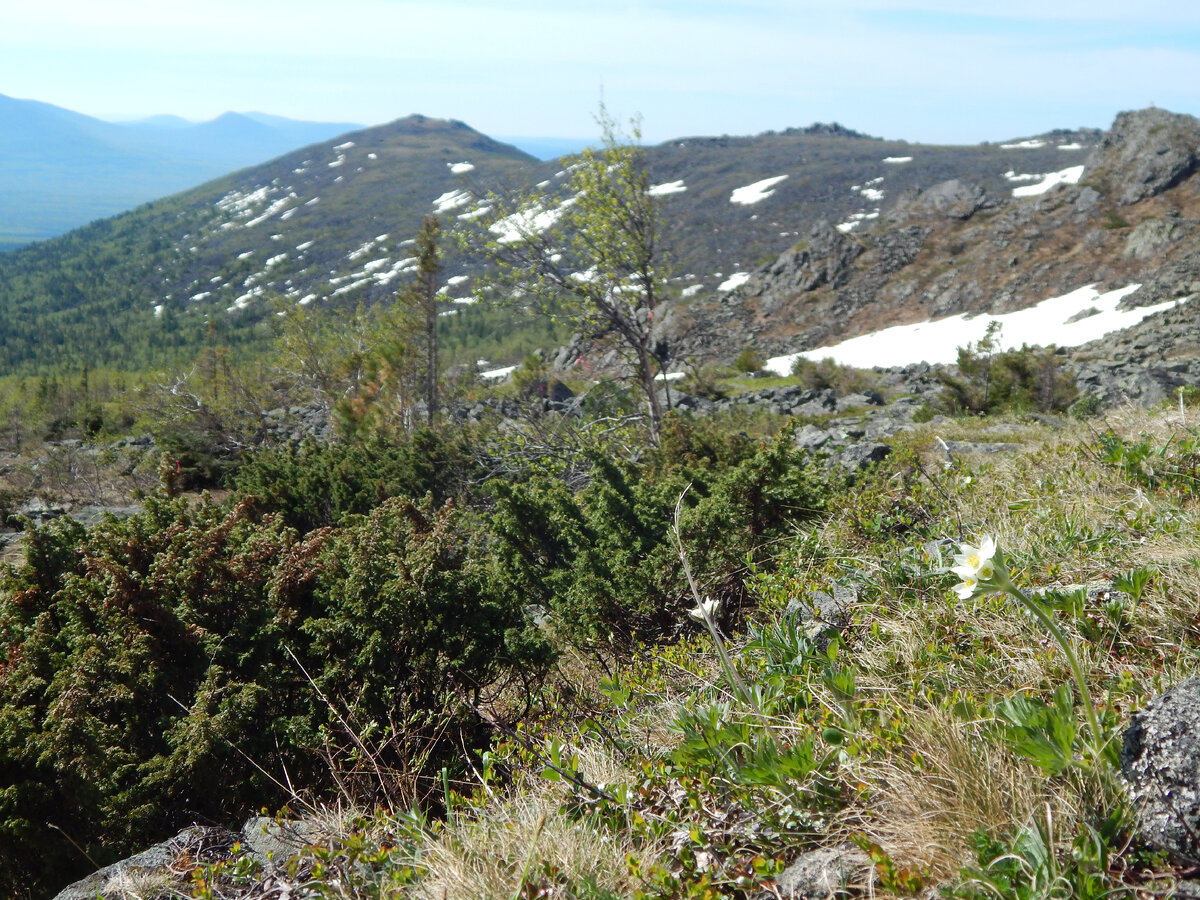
(60, 169)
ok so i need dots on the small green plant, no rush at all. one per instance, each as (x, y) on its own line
(905, 881)
(826, 374)
(1027, 866)
(1085, 407)
(1114, 221)
(1046, 734)
(748, 361)
(924, 413)
(1134, 582)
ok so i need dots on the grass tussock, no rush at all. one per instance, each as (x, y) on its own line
(522, 840)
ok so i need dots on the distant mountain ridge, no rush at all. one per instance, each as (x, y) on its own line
(61, 169)
(331, 224)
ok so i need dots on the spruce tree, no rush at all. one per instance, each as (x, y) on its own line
(417, 320)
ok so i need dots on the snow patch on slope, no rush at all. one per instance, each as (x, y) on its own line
(938, 341)
(756, 192)
(521, 225)
(1066, 176)
(736, 280)
(670, 187)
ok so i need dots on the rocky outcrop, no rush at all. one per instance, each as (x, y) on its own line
(965, 245)
(953, 199)
(825, 258)
(1145, 364)
(1160, 761)
(1144, 153)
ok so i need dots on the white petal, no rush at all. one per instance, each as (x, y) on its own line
(965, 590)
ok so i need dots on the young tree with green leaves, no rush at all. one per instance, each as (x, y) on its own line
(590, 250)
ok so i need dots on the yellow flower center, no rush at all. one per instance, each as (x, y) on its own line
(973, 560)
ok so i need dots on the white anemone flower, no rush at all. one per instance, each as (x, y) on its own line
(977, 567)
(706, 611)
(976, 561)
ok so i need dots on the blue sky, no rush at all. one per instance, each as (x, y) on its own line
(946, 71)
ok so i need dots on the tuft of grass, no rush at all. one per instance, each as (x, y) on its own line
(527, 845)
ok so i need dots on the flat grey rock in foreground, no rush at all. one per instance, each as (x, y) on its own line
(1160, 760)
(826, 872)
(269, 842)
(197, 842)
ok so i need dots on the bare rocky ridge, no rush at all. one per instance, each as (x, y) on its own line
(955, 247)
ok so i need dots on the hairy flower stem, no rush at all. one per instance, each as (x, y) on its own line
(1043, 616)
(740, 688)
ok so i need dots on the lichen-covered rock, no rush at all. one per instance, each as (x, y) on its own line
(163, 869)
(823, 614)
(196, 844)
(1149, 237)
(826, 872)
(1160, 761)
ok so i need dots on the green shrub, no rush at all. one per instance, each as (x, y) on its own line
(827, 374)
(705, 381)
(603, 558)
(748, 361)
(315, 485)
(408, 619)
(990, 380)
(158, 670)
(140, 669)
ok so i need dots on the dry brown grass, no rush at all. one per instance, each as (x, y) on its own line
(528, 838)
(965, 781)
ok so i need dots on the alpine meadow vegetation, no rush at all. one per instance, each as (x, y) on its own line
(633, 687)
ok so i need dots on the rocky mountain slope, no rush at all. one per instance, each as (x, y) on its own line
(1129, 215)
(330, 224)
